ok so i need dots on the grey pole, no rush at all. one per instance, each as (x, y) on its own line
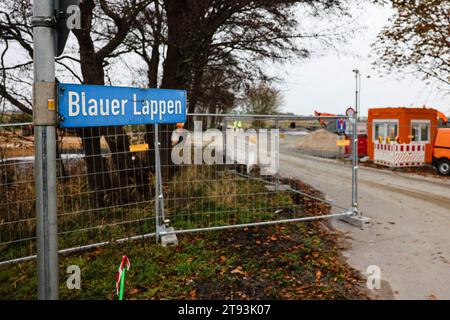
(225, 130)
(44, 114)
(355, 147)
(277, 137)
(159, 194)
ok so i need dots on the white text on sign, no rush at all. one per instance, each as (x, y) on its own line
(83, 105)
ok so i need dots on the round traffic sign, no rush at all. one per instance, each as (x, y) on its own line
(350, 112)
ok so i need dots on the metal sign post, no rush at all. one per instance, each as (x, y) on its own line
(356, 217)
(355, 165)
(44, 114)
(355, 146)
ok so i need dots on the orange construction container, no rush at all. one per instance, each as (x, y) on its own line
(406, 125)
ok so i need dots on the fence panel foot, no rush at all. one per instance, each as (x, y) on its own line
(168, 237)
(357, 221)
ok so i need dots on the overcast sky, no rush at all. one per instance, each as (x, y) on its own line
(327, 83)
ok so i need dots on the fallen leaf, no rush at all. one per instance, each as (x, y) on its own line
(134, 291)
(95, 253)
(238, 270)
(318, 275)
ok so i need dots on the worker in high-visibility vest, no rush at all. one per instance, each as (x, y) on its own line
(237, 125)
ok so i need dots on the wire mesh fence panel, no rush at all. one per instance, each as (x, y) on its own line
(225, 172)
(316, 148)
(105, 179)
(17, 196)
(216, 171)
(105, 184)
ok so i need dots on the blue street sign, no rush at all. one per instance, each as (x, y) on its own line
(92, 106)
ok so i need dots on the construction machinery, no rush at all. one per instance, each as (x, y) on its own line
(323, 122)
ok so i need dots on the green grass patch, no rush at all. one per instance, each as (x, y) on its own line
(274, 262)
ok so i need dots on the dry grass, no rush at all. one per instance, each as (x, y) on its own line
(321, 140)
(198, 196)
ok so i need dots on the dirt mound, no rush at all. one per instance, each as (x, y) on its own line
(321, 140)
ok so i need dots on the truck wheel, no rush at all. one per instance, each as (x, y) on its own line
(444, 167)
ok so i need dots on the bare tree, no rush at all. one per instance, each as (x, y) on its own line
(204, 36)
(417, 40)
(263, 99)
(215, 49)
(105, 26)
(16, 58)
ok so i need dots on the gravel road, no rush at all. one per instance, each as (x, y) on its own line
(409, 236)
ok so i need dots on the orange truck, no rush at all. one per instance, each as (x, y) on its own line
(441, 151)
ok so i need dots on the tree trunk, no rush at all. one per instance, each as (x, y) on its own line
(176, 68)
(96, 167)
(112, 188)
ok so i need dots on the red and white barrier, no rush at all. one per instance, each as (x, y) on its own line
(399, 155)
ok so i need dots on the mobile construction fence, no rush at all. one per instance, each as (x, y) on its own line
(116, 184)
